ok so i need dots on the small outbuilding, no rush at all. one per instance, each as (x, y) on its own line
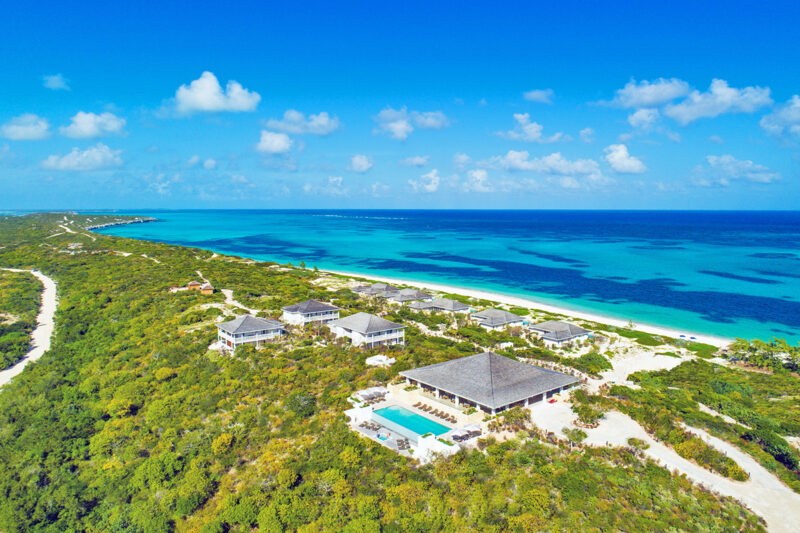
(207, 289)
(194, 285)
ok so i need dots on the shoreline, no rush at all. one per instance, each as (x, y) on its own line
(549, 308)
(140, 220)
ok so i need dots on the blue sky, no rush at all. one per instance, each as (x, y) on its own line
(579, 105)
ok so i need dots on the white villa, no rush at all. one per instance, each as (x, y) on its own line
(310, 311)
(370, 331)
(556, 332)
(441, 304)
(496, 319)
(247, 329)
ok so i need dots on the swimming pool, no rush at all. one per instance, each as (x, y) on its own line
(408, 420)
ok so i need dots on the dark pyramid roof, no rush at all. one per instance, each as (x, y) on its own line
(248, 324)
(490, 379)
(365, 323)
(310, 306)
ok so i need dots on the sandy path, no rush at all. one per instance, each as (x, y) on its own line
(525, 302)
(763, 493)
(42, 335)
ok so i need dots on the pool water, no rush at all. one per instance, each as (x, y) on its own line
(411, 420)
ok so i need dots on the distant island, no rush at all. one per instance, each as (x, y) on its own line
(184, 389)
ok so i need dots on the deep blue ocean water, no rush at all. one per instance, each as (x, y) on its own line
(734, 274)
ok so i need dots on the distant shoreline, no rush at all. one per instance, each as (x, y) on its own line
(549, 308)
(139, 220)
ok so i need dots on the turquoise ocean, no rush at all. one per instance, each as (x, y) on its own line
(731, 274)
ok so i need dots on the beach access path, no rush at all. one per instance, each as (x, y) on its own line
(43, 334)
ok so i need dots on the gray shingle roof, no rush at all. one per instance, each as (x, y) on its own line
(555, 330)
(376, 289)
(365, 323)
(249, 324)
(407, 295)
(490, 379)
(310, 306)
(496, 317)
(443, 304)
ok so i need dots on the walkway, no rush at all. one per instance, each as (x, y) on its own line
(42, 335)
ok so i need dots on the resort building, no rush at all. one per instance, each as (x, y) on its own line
(370, 331)
(441, 304)
(194, 285)
(408, 295)
(494, 319)
(309, 311)
(556, 332)
(489, 382)
(247, 329)
(376, 289)
(207, 289)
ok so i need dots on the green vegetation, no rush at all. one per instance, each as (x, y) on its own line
(131, 423)
(20, 293)
(775, 355)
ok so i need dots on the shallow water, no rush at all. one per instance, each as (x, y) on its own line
(733, 274)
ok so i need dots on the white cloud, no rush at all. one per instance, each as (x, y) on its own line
(525, 130)
(333, 187)
(274, 143)
(56, 82)
(587, 135)
(295, 122)
(478, 181)
(193, 160)
(360, 163)
(209, 164)
(716, 139)
(26, 127)
(719, 99)
(785, 120)
(399, 123)
(240, 179)
(722, 170)
(427, 182)
(621, 161)
(416, 161)
(461, 160)
(206, 94)
(651, 93)
(430, 120)
(541, 96)
(554, 163)
(95, 157)
(643, 118)
(568, 182)
(87, 125)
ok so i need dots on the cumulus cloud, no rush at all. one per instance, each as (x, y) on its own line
(399, 123)
(651, 93)
(206, 94)
(720, 98)
(723, 169)
(55, 82)
(716, 139)
(621, 161)
(416, 161)
(643, 118)
(334, 186)
(427, 182)
(785, 120)
(554, 163)
(26, 127)
(88, 125)
(360, 163)
(274, 143)
(295, 122)
(525, 130)
(95, 157)
(209, 164)
(587, 135)
(461, 160)
(192, 161)
(541, 96)
(478, 181)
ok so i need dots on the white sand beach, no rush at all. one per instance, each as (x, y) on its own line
(533, 304)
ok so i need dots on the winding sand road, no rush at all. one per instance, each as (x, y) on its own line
(42, 335)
